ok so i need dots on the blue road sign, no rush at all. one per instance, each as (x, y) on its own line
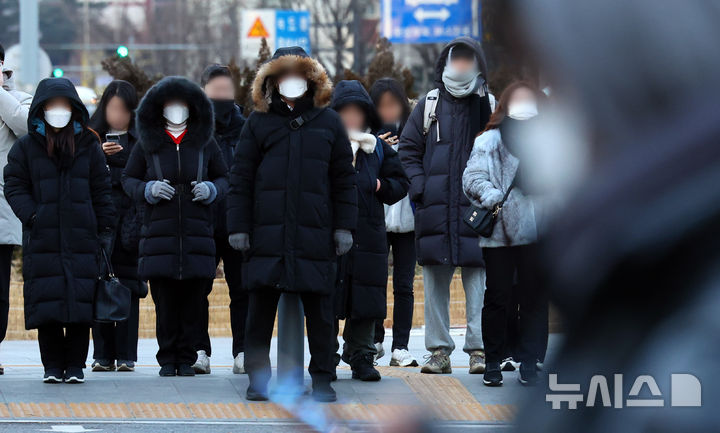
(429, 21)
(293, 29)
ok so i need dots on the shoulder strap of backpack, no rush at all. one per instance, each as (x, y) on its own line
(431, 100)
(297, 122)
(200, 164)
(158, 169)
(380, 152)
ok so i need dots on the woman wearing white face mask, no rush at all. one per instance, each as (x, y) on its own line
(176, 171)
(58, 185)
(496, 177)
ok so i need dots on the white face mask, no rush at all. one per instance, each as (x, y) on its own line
(58, 117)
(293, 87)
(176, 113)
(522, 110)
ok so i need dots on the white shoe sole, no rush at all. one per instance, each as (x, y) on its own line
(73, 379)
(488, 383)
(124, 367)
(199, 369)
(52, 379)
(406, 363)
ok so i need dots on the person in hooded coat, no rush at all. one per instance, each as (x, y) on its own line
(434, 160)
(177, 171)
(58, 185)
(217, 82)
(291, 209)
(362, 299)
(14, 106)
(114, 121)
(393, 106)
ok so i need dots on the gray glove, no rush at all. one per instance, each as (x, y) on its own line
(204, 192)
(156, 191)
(343, 241)
(239, 241)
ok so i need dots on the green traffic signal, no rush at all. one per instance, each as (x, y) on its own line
(122, 51)
(58, 73)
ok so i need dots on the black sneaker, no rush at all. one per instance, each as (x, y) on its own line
(167, 370)
(53, 375)
(185, 370)
(123, 365)
(74, 375)
(363, 367)
(528, 374)
(493, 375)
(103, 365)
(323, 392)
(254, 394)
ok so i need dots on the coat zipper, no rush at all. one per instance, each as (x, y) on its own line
(177, 147)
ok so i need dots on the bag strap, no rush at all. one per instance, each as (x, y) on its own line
(158, 169)
(431, 101)
(110, 271)
(505, 197)
(200, 165)
(304, 118)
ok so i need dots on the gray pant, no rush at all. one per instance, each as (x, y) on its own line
(437, 280)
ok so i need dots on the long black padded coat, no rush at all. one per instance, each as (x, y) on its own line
(363, 281)
(227, 135)
(436, 168)
(63, 205)
(290, 189)
(177, 237)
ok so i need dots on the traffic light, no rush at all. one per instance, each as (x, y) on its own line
(58, 73)
(122, 51)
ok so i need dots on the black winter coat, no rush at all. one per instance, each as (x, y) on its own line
(291, 188)
(177, 235)
(227, 135)
(436, 167)
(62, 208)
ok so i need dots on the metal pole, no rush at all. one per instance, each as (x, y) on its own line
(29, 42)
(290, 342)
(86, 43)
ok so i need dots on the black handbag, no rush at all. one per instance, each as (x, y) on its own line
(112, 299)
(482, 220)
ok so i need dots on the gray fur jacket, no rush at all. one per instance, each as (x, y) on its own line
(489, 173)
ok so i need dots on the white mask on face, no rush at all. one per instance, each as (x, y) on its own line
(176, 113)
(522, 110)
(58, 117)
(293, 87)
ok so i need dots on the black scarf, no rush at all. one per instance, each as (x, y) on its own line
(302, 104)
(223, 112)
(513, 133)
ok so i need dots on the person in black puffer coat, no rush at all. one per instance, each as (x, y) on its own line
(177, 171)
(218, 85)
(363, 276)
(58, 185)
(435, 160)
(292, 206)
(113, 120)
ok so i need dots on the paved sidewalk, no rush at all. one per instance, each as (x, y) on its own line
(143, 401)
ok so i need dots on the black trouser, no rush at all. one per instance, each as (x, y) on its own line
(502, 264)
(63, 346)
(177, 309)
(404, 257)
(232, 261)
(5, 269)
(512, 332)
(357, 336)
(261, 318)
(118, 340)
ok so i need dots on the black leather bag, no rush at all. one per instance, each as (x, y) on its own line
(482, 220)
(112, 299)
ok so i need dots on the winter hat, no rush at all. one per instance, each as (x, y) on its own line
(289, 51)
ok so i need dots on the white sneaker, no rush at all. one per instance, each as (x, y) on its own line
(509, 364)
(202, 365)
(402, 358)
(239, 364)
(380, 351)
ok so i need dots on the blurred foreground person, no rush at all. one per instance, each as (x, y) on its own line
(434, 148)
(291, 209)
(393, 107)
(58, 185)
(114, 121)
(218, 85)
(14, 106)
(362, 295)
(177, 171)
(495, 180)
(633, 260)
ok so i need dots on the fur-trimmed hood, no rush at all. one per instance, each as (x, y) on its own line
(295, 59)
(151, 122)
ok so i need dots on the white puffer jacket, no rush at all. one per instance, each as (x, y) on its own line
(14, 106)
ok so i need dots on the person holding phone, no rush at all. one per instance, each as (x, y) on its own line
(115, 344)
(393, 107)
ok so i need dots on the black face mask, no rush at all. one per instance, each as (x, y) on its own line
(223, 110)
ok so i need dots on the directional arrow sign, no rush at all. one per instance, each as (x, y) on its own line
(429, 21)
